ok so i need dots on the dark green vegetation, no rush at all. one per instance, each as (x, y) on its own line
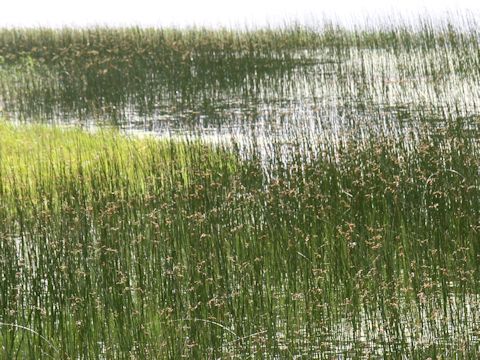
(110, 74)
(342, 220)
(100, 71)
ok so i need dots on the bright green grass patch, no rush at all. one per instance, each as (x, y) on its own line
(36, 155)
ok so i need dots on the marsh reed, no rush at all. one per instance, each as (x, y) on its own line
(340, 220)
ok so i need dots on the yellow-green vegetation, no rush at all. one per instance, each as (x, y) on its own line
(343, 220)
(35, 155)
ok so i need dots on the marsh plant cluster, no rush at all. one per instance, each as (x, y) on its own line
(341, 218)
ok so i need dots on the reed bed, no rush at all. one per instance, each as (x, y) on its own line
(118, 248)
(136, 75)
(339, 220)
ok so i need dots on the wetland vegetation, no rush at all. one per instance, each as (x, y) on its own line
(294, 193)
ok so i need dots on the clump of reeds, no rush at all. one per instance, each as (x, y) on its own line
(117, 247)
